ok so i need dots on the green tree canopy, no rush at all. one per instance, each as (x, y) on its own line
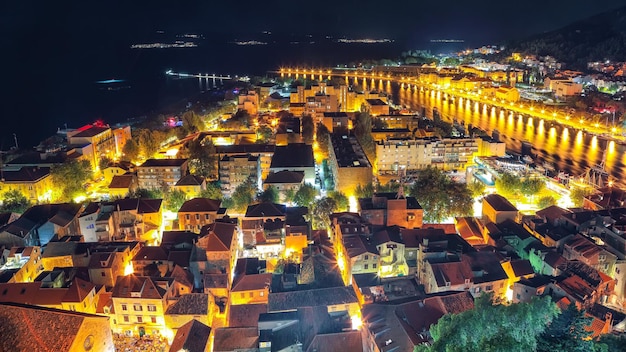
(320, 213)
(322, 135)
(305, 195)
(441, 197)
(578, 194)
(69, 178)
(508, 185)
(212, 191)
(545, 202)
(532, 186)
(174, 199)
(147, 193)
(264, 133)
(149, 141)
(131, 150)
(268, 195)
(364, 191)
(308, 129)
(488, 327)
(363, 133)
(340, 199)
(202, 159)
(567, 332)
(14, 201)
(476, 188)
(243, 196)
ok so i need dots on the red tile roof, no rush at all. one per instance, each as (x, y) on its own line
(28, 328)
(199, 205)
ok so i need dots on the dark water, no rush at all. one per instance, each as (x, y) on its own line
(56, 85)
(567, 149)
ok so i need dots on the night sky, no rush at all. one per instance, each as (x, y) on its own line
(401, 19)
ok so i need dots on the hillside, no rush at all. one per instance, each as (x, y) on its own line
(600, 37)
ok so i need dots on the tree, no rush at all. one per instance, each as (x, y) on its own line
(476, 188)
(320, 213)
(441, 197)
(610, 342)
(69, 178)
(305, 195)
(202, 159)
(392, 187)
(308, 128)
(104, 163)
(150, 141)
(147, 193)
(378, 123)
(268, 195)
(131, 150)
(340, 199)
(545, 202)
(174, 200)
(243, 196)
(192, 122)
(567, 332)
(322, 136)
(578, 194)
(508, 185)
(512, 327)
(212, 191)
(289, 195)
(14, 201)
(532, 186)
(363, 133)
(263, 134)
(364, 191)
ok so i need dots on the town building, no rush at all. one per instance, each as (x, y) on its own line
(34, 183)
(160, 173)
(197, 212)
(265, 152)
(388, 209)
(416, 154)
(248, 101)
(251, 283)
(284, 182)
(64, 330)
(122, 186)
(191, 185)
(336, 122)
(140, 303)
(349, 164)
(101, 139)
(402, 326)
(497, 209)
(23, 264)
(295, 157)
(237, 169)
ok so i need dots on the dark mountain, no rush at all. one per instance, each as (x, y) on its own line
(600, 37)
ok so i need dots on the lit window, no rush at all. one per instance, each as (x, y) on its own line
(137, 307)
(151, 308)
(126, 320)
(140, 319)
(124, 307)
(153, 319)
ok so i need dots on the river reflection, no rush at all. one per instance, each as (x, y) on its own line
(565, 148)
